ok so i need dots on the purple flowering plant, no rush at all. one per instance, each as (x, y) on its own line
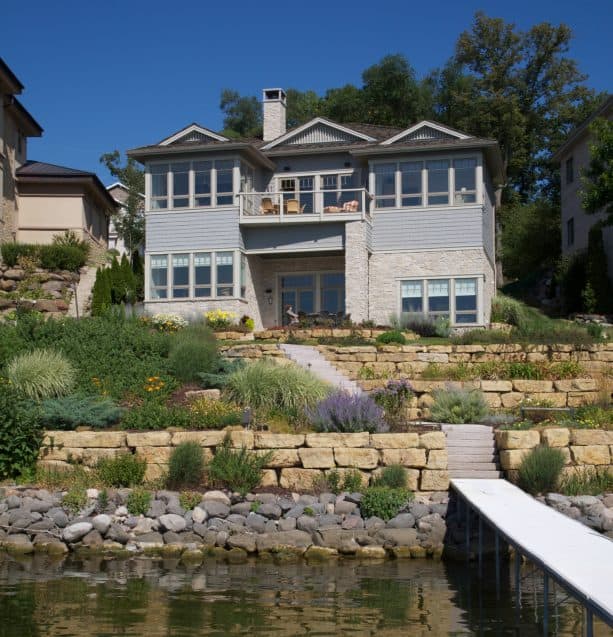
(342, 412)
(394, 399)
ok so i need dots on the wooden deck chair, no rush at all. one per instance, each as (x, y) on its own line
(267, 206)
(293, 207)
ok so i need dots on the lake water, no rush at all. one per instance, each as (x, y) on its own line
(143, 596)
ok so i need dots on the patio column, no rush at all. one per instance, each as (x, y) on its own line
(356, 270)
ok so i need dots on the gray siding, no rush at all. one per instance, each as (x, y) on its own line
(193, 230)
(427, 229)
(328, 236)
(314, 163)
(488, 216)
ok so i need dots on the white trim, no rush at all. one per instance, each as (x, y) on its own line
(311, 124)
(424, 123)
(191, 129)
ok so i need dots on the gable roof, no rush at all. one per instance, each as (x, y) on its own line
(29, 126)
(605, 109)
(426, 130)
(191, 134)
(33, 171)
(9, 79)
(320, 130)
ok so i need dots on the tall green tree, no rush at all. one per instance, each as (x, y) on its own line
(129, 223)
(242, 114)
(597, 181)
(302, 106)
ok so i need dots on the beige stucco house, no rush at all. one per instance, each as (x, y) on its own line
(574, 158)
(40, 200)
(16, 126)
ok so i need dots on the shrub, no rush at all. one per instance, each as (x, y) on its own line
(71, 411)
(218, 377)
(152, 414)
(393, 399)
(591, 481)
(247, 323)
(193, 351)
(62, 257)
(421, 325)
(166, 322)
(344, 412)
(506, 309)
(268, 387)
(219, 320)
(383, 502)
(124, 470)
(12, 251)
(186, 465)
(458, 406)
(442, 325)
(239, 469)
(138, 501)
(393, 336)
(20, 433)
(75, 500)
(540, 470)
(42, 373)
(352, 481)
(189, 499)
(214, 414)
(101, 293)
(70, 239)
(393, 476)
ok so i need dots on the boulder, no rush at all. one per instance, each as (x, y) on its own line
(102, 523)
(216, 509)
(172, 522)
(117, 534)
(216, 496)
(283, 539)
(402, 521)
(75, 532)
(397, 537)
(245, 541)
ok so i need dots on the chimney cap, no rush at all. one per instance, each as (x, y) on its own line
(273, 95)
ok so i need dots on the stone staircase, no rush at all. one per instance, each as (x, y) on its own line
(84, 291)
(472, 451)
(310, 358)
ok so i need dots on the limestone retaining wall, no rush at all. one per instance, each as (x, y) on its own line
(298, 460)
(582, 448)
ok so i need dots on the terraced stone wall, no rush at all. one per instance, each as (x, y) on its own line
(298, 460)
(582, 448)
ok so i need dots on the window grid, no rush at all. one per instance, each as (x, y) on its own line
(192, 184)
(195, 275)
(457, 299)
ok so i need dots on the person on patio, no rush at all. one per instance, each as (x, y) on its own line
(293, 317)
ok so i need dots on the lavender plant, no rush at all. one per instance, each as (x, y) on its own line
(394, 399)
(347, 413)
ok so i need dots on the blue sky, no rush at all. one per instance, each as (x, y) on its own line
(119, 74)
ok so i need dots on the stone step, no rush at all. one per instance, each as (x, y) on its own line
(464, 428)
(455, 456)
(482, 475)
(470, 443)
(472, 466)
(470, 437)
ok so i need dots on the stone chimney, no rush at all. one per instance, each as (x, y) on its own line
(274, 107)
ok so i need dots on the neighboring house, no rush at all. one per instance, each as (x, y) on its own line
(119, 192)
(574, 158)
(352, 219)
(16, 125)
(39, 200)
(53, 199)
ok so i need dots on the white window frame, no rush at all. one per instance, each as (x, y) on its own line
(452, 297)
(236, 273)
(275, 184)
(236, 184)
(423, 158)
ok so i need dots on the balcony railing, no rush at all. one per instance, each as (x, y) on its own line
(304, 206)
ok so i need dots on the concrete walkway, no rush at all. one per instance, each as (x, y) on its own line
(309, 357)
(472, 451)
(84, 292)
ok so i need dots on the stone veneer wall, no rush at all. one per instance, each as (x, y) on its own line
(297, 461)
(582, 448)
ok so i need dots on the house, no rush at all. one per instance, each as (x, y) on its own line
(119, 192)
(39, 200)
(574, 158)
(16, 126)
(353, 219)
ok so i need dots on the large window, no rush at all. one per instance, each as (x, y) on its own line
(198, 275)
(202, 274)
(409, 184)
(455, 299)
(570, 171)
(194, 184)
(570, 232)
(159, 277)
(225, 273)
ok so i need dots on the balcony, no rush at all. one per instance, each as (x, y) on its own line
(310, 206)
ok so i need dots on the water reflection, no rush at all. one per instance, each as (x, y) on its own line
(39, 596)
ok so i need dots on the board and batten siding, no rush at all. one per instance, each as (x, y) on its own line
(193, 230)
(427, 229)
(295, 238)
